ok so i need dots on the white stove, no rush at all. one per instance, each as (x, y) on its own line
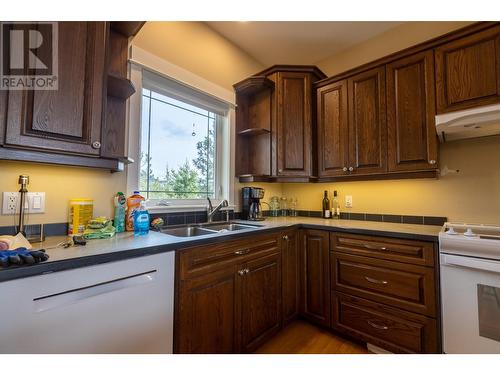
(470, 287)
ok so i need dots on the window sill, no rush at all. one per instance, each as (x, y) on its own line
(182, 208)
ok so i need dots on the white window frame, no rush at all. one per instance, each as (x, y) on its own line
(224, 172)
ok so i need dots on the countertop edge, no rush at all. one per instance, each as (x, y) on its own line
(95, 259)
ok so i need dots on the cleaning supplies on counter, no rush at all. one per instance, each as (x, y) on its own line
(119, 222)
(99, 227)
(141, 220)
(80, 212)
(133, 204)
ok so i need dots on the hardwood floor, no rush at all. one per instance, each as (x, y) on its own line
(304, 338)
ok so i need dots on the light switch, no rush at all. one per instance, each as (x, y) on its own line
(37, 202)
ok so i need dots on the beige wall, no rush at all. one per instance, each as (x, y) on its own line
(393, 40)
(60, 184)
(471, 195)
(196, 47)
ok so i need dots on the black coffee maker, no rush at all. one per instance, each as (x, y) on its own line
(251, 207)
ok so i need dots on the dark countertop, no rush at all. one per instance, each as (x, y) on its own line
(125, 245)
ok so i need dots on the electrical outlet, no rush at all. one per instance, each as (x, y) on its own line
(348, 201)
(34, 203)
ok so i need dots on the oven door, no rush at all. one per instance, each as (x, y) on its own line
(470, 297)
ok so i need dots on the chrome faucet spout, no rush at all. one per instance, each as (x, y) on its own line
(211, 211)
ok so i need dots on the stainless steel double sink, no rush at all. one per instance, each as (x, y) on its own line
(193, 230)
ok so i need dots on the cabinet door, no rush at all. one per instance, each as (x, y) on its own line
(367, 123)
(294, 158)
(411, 114)
(333, 128)
(468, 71)
(68, 119)
(315, 277)
(291, 278)
(206, 313)
(260, 300)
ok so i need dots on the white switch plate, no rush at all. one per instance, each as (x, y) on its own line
(348, 201)
(10, 204)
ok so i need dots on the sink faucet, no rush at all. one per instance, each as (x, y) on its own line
(211, 211)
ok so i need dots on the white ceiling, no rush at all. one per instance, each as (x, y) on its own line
(297, 42)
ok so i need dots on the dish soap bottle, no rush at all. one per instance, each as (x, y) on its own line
(119, 221)
(141, 220)
(133, 204)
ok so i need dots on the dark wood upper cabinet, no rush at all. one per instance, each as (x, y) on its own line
(275, 128)
(333, 129)
(468, 71)
(260, 301)
(293, 125)
(412, 139)
(367, 122)
(68, 119)
(290, 275)
(315, 276)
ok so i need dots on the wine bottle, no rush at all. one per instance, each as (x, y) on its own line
(326, 206)
(335, 206)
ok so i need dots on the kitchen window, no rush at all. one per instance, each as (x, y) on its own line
(181, 142)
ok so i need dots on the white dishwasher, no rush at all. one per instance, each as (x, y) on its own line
(125, 306)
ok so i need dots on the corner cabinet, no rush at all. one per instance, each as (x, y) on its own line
(81, 123)
(315, 276)
(275, 119)
(468, 71)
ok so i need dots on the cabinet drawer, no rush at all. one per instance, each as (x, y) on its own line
(406, 251)
(402, 285)
(202, 259)
(395, 330)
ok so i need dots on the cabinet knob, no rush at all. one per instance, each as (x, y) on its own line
(247, 270)
(280, 170)
(432, 162)
(285, 237)
(241, 272)
(344, 169)
(96, 144)
(351, 169)
(242, 252)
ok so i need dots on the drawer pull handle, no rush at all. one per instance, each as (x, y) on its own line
(382, 248)
(377, 326)
(242, 252)
(375, 281)
(241, 272)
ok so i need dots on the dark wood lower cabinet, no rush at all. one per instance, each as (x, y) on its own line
(315, 276)
(233, 296)
(206, 313)
(290, 276)
(393, 329)
(260, 303)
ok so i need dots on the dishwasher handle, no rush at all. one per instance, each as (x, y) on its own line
(470, 263)
(72, 296)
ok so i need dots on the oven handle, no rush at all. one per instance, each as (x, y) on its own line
(472, 263)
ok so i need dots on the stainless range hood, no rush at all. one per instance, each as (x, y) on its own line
(469, 123)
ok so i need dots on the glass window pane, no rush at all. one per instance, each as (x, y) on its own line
(488, 298)
(177, 150)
